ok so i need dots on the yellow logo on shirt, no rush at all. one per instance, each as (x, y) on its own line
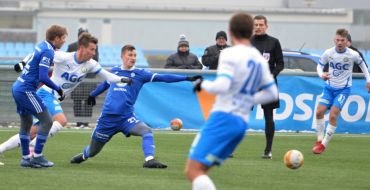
(84, 70)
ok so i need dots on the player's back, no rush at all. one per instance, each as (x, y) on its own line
(29, 79)
(246, 68)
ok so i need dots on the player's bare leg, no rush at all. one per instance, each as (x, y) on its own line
(196, 173)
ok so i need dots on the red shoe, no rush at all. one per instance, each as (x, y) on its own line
(318, 149)
(317, 143)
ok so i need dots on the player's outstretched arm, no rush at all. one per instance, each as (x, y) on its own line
(173, 78)
(218, 86)
(112, 78)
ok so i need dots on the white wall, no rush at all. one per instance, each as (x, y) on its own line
(159, 30)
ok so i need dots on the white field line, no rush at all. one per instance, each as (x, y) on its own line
(192, 132)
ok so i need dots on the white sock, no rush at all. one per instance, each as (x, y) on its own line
(149, 158)
(330, 130)
(320, 125)
(203, 182)
(36, 155)
(11, 143)
(53, 130)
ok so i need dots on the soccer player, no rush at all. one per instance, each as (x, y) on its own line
(118, 109)
(69, 71)
(338, 86)
(29, 104)
(243, 79)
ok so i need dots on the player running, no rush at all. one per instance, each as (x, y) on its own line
(69, 71)
(338, 86)
(118, 110)
(243, 79)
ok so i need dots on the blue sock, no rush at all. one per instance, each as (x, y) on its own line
(86, 152)
(40, 142)
(25, 143)
(148, 145)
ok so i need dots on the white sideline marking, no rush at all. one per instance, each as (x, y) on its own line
(192, 132)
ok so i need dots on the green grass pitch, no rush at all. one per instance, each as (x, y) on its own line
(345, 164)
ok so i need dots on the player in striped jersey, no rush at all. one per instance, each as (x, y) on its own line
(338, 86)
(243, 80)
(29, 104)
(69, 71)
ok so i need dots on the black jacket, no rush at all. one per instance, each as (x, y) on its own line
(270, 48)
(211, 55)
(74, 46)
(356, 67)
(182, 60)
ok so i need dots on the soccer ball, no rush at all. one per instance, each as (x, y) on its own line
(293, 159)
(176, 124)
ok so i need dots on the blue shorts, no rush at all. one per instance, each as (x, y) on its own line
(28, 102)
(109, 125)
(49, 101)
(334, 97)
(218, 138)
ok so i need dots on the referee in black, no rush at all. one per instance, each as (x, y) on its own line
(270, 49)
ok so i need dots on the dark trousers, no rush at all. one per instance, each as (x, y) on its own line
(269, 128)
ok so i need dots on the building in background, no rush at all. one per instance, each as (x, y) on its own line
(155, 26)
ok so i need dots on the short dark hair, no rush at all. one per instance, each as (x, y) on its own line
(342, 32)
(85, 38)
(55, 31)
(260, 17)
(241, 25)
(127, 48)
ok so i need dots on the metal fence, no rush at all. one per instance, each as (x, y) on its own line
(75, 106)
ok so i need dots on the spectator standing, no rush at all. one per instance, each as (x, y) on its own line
(212, 53)
(183, 59)
(80, 108)
(270, 49)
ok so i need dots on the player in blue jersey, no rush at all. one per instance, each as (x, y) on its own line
(69, 71)
(29, 104)
(338, 86)
(118, 109)
(243, 80)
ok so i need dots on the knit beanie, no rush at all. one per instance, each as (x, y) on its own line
(81, 30)
(221, 34)
(183, 41)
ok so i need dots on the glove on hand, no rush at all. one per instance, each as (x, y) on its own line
(19, 66)
(91, 101)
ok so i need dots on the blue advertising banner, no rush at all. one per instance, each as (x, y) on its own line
(158, 103)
